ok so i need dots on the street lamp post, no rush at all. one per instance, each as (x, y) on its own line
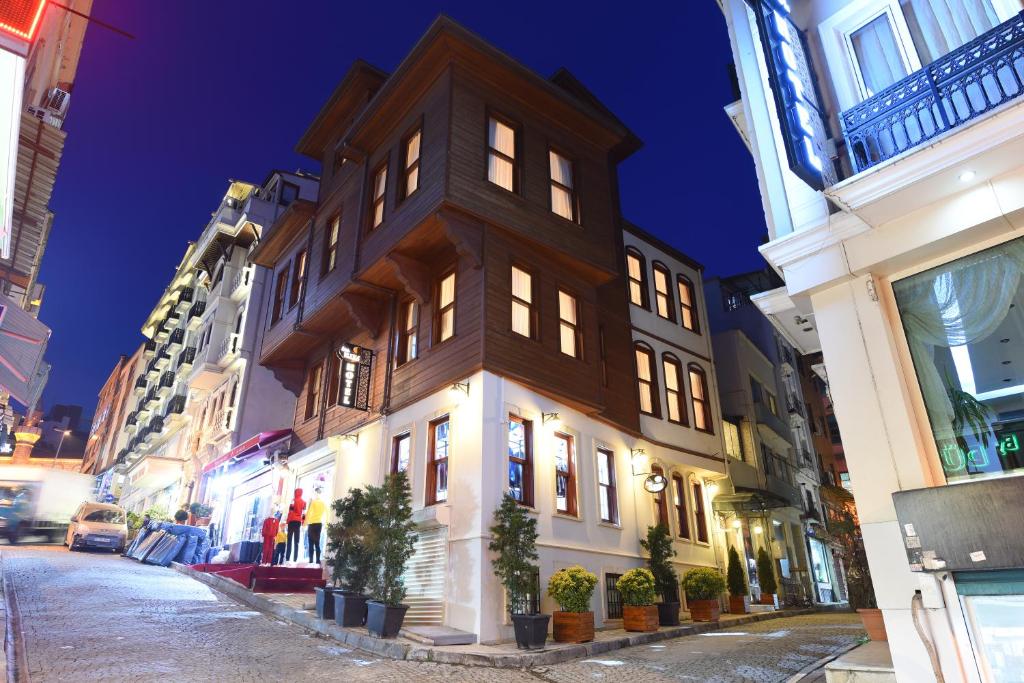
(59, 444)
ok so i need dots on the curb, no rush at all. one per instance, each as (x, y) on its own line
(396, 649)
(15, 659)
(815, 666)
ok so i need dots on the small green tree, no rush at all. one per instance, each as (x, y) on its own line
(703, 583)
(514, 539)
(637, 587)
(392, 543)
(658, 545)
(734, 575)
(572, 588)
(766, 572)
(348, 543)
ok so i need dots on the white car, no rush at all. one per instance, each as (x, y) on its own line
(97, 525)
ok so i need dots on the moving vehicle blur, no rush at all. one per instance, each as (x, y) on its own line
(37, 502)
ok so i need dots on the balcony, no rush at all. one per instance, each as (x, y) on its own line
(166, 384)
(149, 349)
(162, 332)
(131, 423)
(195, 315)
(794, 407)
(162, 360)
(122, 457)
(142, 410)
(140, 386)
(176, 339)
(156, 425)
(185, 297)
(152, 371)
(950, 92)
(770, 420)
(240, 284)
(150, 399)
(186, 358)
(228, 351)
(175, 408)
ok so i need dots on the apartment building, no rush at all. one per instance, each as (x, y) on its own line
(106, 435)
(455, 304)
(887, 139)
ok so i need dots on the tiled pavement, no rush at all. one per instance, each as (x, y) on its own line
(94, 617)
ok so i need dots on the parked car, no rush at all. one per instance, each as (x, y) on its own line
(97, 525)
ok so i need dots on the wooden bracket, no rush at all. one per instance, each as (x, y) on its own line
(368, 312)
(466, 234)
(413, 274)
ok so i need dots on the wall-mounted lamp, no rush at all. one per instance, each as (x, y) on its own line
(736, 523)
(349, 441)
(758, 529)
(551, 418)
(712, 489)
(458, 391)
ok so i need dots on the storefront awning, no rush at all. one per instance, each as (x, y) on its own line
(748, 501)
(249, 447)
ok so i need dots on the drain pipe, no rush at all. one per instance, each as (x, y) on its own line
(917, 612)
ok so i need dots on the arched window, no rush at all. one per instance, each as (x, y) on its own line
(675, 408)
(636, 272)
(679, 501)
(699, 398)
(663, 292)
(660, 501)
(646, 379)
(688, 305)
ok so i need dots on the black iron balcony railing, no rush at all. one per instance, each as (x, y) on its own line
(971, 80)
(156, 425)
(185, 296)
(122, 456)
(150, 397)
(140, 383)
(149, 348)
(176, 406)
(197, 309)
(132, 418)
(167, 379)
(186, 357)
(177, 338)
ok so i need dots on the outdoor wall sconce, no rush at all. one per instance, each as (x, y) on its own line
(349, 441)
(736, 523)
(550, 417)
(654, 483)
(459, 391)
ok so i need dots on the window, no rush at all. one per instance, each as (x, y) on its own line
(563, 194)
(522, 302)
(400, 449)
(289, 193)
(679, 502)
(687, 305)
(298, 279)
(607, 500)
(333, 379)
(662, 294)
(756, 393)
(330, 257)
(445, 326)
(613, 598)
(520, 460)
(568, 325)
(408, 319)
(316, 376)
(437, 463)
(565, 474)
(411, 163)
(699, 397)
(878, 55)
(636, 271)
(660, 501)
(502, 167)
(380, 183)
(645, 380)
(674, 409)
(733, 441)
(698, 512)
(773, 405)
(280, 289)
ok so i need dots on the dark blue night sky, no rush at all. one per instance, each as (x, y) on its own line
(210, 91)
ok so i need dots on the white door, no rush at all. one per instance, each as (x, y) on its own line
(425, 575)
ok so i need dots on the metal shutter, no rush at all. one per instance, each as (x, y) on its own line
(425, 576)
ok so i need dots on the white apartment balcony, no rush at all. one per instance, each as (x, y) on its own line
(185, 360)
(194, 317)
(184, 299)
(241, 284)
(141, 385)
(166, 385)
(229, 350)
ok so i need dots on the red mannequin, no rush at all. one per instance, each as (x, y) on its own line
(270, 525)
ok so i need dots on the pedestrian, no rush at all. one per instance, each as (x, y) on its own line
(279, 548)
(315, 519)
(181, 516)
(271, 525)
(296, 516)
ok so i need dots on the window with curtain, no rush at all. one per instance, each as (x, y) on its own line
(380, 183)
(645, 379)
(699, 514)
(662, 293)
(437, 462)
(408, 319)
(963, 326)
(938, 27)
(636, 272)
(877, 50)
(699, 398)
(522, 302)
(445, 326)
(673, 370)
(679, 501)
(733, 441)
(660, 501)
(568, 325)
(411, 163)
(520, 460)
(401, 447)
(330, 257)
(563, 194)
(333, 379)
(313, 381)
(502, 167)
(298, 279)
(607, 500)
(280, 291)
(687, 305)
(565, 474)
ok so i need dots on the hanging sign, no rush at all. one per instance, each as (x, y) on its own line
(356, 366)
(12, 71)
(804, 130)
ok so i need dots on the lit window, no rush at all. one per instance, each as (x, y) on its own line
(645, 379)
(501, 154)
(636, 272)
(606, 498)
(330, 258)
(660, 501)
(569, 330)
(316, 375)
(662, 294)
(520, 460)
(400, 449)
(733, 442)
(380, 182)
(298, 279)
(565, 474)
(679, 502)
(699, 398)
(412, 164)
(446, 308)
(698, 512)
(408, 316)
(673, 388)
(522, 302)
(687, 305)
(563, 196)
(437, 465)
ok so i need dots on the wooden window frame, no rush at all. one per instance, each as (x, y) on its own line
(679, 502)
(333, 370)
(680, 393)
(571, 502)
(610, 489)
(382, 199)
(577, 334)
(670, 305)
(530, 305)
(408, 168)
(278, 309)
(516, 148)
(405, 334)
(396, 442)
(694, 310)
(645, 296)
(706, 401)
(329, 257)
(574, 198)
(661, 502)
(640, 347)
(700, 516)
(434, 463)
(300, 265)
(314, 379)
(439, 310)
(527, 462)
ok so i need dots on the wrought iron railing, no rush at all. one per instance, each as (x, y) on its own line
(186, 357)
(132, 418)
(197, 309)
(140, 383)
(177, 337)
(975, 78)
(176, 405)
(149, 348)
(167, 379)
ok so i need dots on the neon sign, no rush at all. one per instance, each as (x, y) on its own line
(356, 364)
(20, 18)
(972, 457)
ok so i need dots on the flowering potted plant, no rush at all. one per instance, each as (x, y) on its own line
(658, 545)
(703, 587)
(572, 588)
(637, 588)
(351, 562)
(739, 593)
(514, 539)
(766, 575)
(391, 544)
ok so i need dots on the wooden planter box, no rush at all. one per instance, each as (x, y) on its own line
(704, 610)
(873, 623)
(643, 618)
(739, 604)
(573, 627)
(768, 599)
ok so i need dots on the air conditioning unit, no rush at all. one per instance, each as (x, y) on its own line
(57, 101)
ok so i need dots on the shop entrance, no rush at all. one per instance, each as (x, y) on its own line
(425, 576)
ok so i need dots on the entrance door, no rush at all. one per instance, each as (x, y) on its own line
(425, 576)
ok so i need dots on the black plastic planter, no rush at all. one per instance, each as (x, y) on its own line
(668, 613)
(531, 630)
(325, 602)
(349, 608)
(384, 621)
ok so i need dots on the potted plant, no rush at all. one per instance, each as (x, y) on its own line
(572, 588)
(200, 513)
(766, 577)
(351, 562)
(739, 593)
(703, 587)
(391, 545)
(514, 539)
(859, 589)
(637, 587)
(658, 545)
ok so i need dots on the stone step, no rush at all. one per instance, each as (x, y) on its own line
(438, 635)
(869, 663)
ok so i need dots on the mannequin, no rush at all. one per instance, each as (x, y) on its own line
(269, 532)
(296, 516)
(315, 516)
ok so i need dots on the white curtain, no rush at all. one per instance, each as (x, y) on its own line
(940, 26)
(878, 55)
(503, 139)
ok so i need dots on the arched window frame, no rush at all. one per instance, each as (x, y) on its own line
(680, 390)
(704, 401)
(641, 282)
(685, 283)
(652, 382)
(659, 268)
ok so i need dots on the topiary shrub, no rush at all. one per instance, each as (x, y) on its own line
(766, 572)
(658, 545)
(572, 588)
(390, 515)
(703, 583)
(348, 543)
(514, 539)
(637, 587)
(734, 575)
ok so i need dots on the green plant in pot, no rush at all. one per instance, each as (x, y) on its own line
(658, 545)
(572, 589)
(739, 592)
(200, 512)
(638, 589)
(703, 587)
(766, 577)
(351, 562)
(391, 545)
(859, 589)
(514, 540)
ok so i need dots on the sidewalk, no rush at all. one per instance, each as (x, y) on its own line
(294, 609)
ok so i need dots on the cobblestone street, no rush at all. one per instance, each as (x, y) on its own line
(95, 617)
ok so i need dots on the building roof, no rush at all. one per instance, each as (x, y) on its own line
(635, 229)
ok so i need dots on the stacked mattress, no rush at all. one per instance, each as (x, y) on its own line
(161, 543)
